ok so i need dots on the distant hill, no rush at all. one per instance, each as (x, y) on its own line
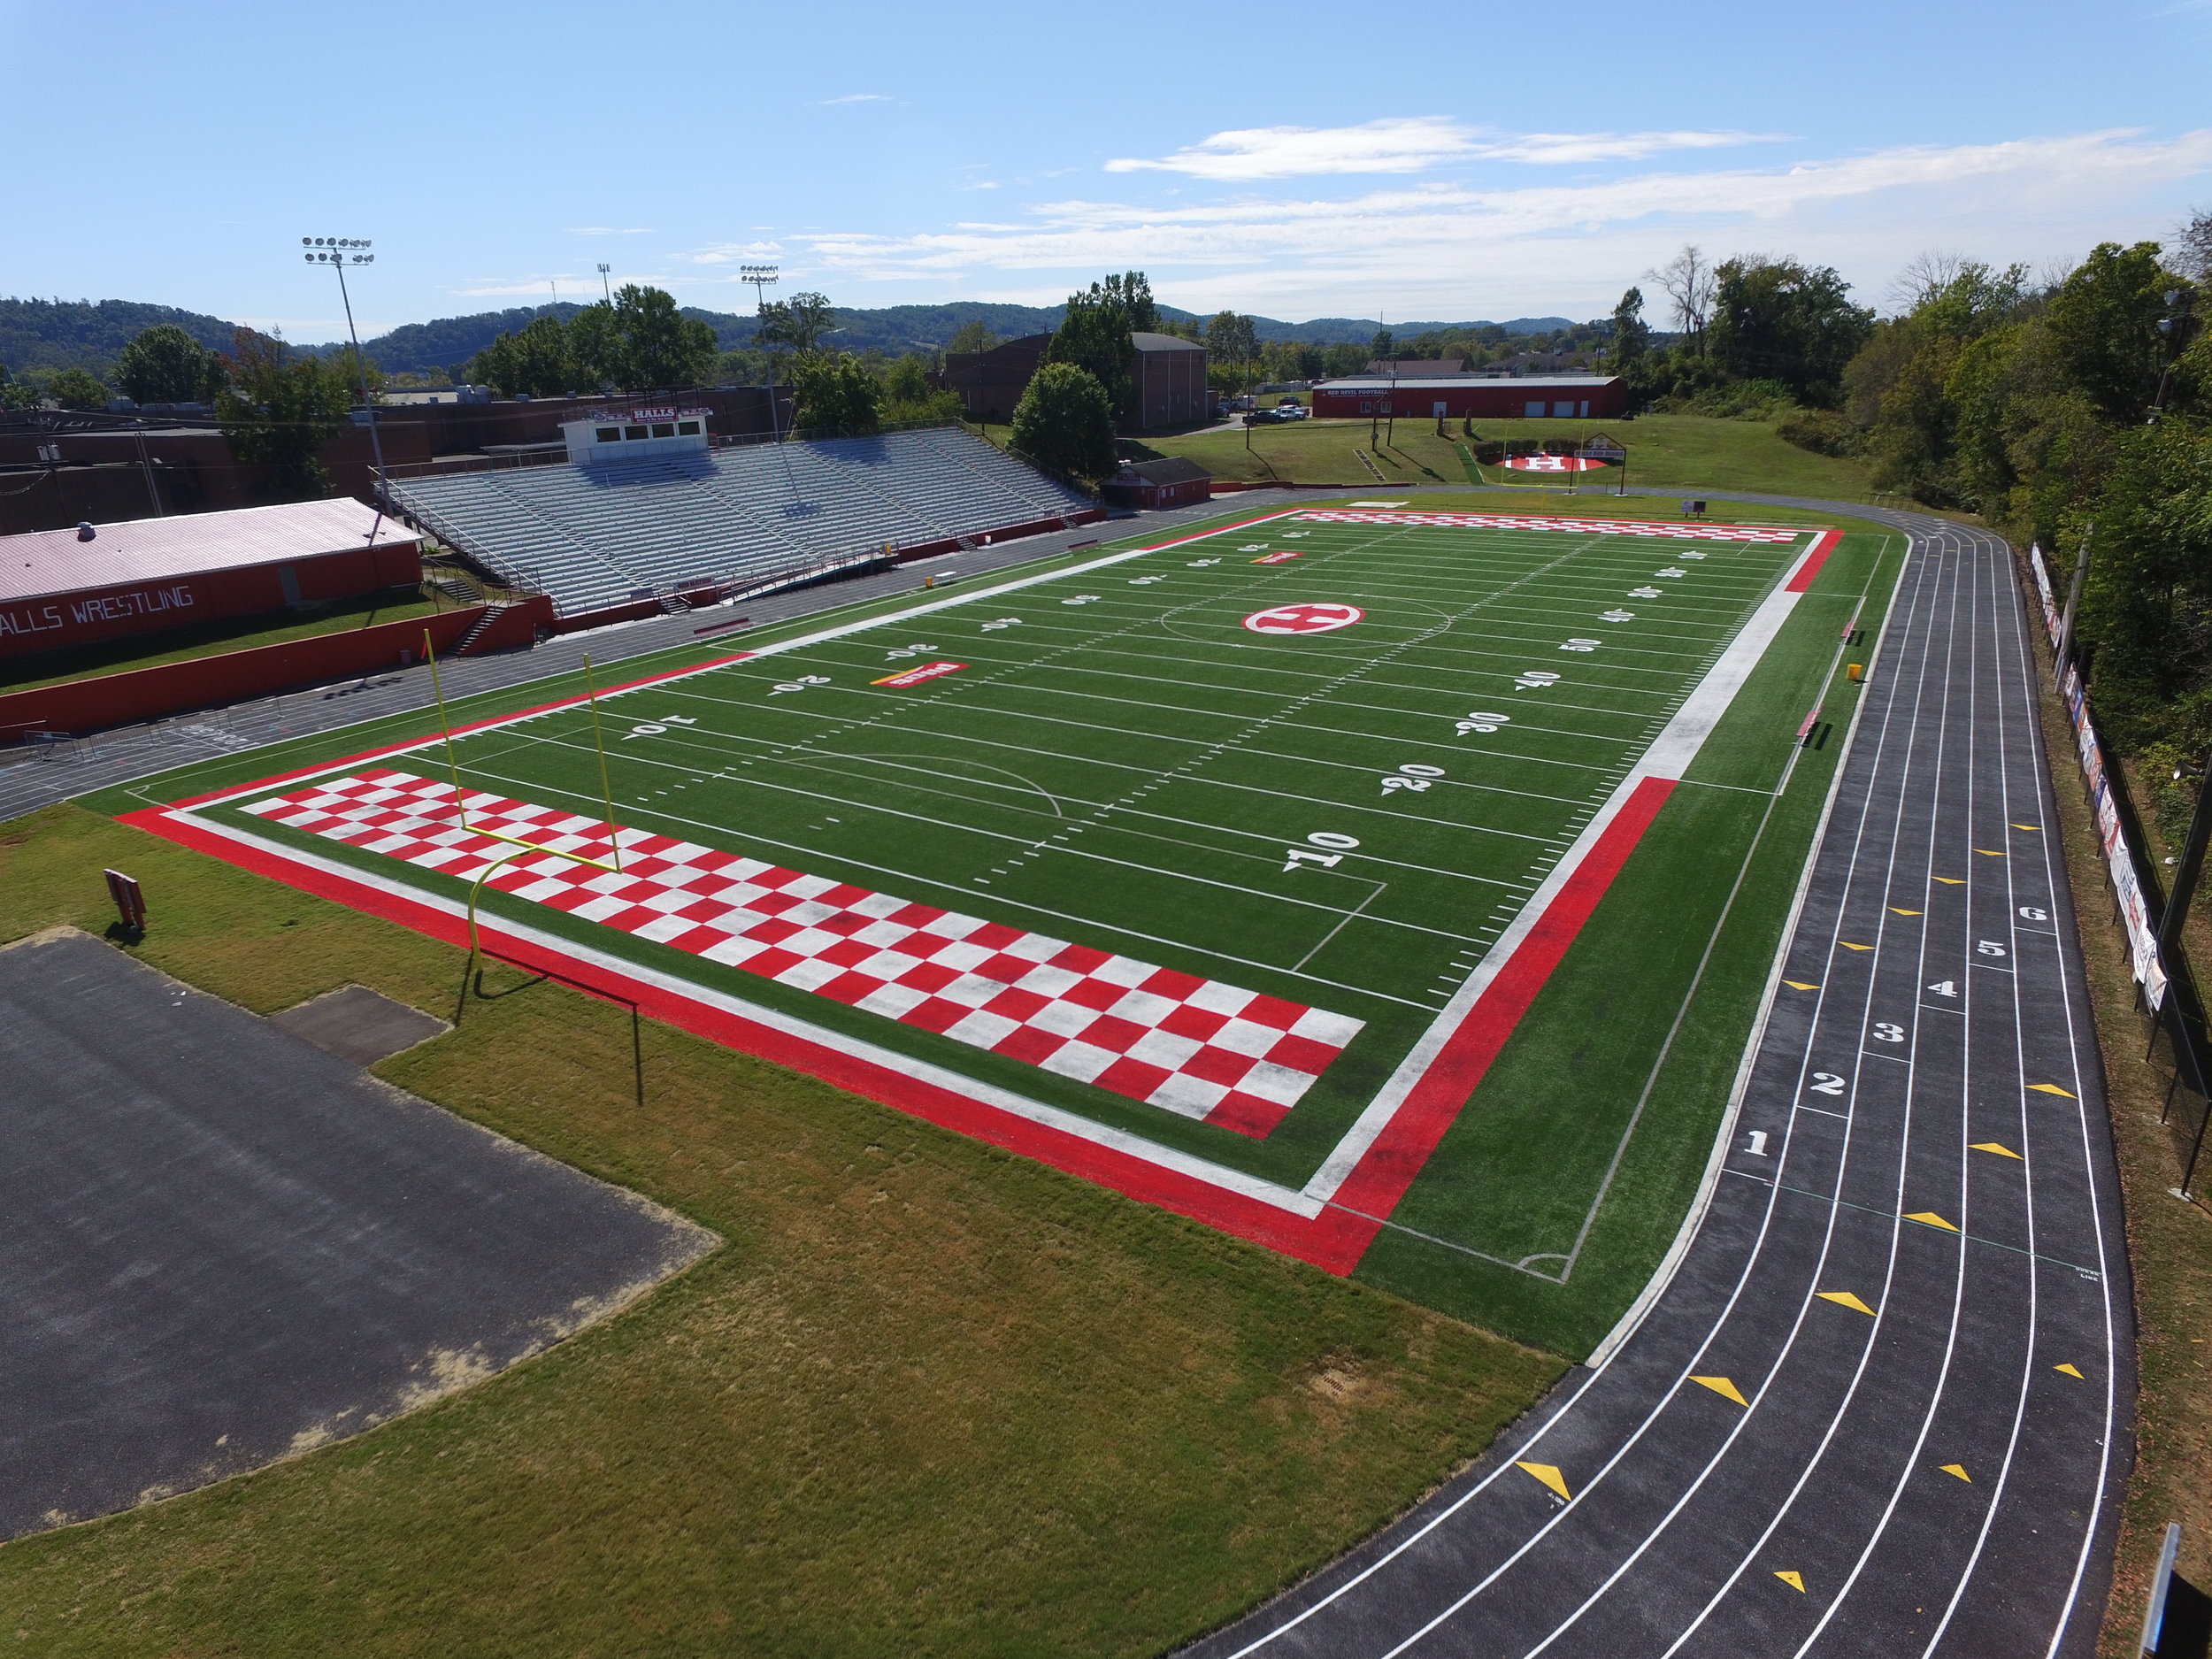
(43, 335)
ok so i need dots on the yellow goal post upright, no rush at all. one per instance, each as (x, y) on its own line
(517, 844)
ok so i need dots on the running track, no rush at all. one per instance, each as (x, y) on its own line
(1941, 863)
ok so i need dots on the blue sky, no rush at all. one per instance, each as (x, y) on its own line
(1291, 159)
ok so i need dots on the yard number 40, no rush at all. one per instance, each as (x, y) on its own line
(1339, 845)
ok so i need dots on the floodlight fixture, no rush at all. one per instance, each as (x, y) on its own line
(337, 252)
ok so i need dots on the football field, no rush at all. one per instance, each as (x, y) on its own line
(1396, 889)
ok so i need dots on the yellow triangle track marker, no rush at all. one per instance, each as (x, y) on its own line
(2032, 829)
(1902, 911)
(1722, 1387)
(1796, 1581)
(1986, 853)
(2070, 1371)
(1848, 945)
(1952, 881)
(1929, 1218)
(1549, 1474)
(2050, 1089)
(1845, 1298)
(1998, 1147)
(1799, 985)
(1959, 1470)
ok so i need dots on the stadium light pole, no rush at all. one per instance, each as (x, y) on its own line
(606, 285)
(337, 252)
(763, 277)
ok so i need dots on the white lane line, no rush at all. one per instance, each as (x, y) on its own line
(1751, 1258)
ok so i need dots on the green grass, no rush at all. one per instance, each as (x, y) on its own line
(1122, 765)
(927, 1398)
(1690, 452)
(207, 639)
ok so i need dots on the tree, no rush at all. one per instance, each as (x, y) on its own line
(2104, 321)
(1094, 336)
(534, 359)
(73, 388)
(1631, 338)
(970, 337)
(799, 322)
(662, 348)
(910, 394)
(595, 349)
(164, 365)
(834, 395)
(2191, 249)
(279, 409)
(1065, 423)
(1776, 320)
(1230, 338)
(1688, 282)
(1133, 294)
(1382, 349)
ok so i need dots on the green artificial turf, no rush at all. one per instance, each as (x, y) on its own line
(1120, 763)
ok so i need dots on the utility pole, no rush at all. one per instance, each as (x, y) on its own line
(337, 252)
(2064, 653)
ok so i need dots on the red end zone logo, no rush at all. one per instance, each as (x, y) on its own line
(1304, 619)
(915, 676)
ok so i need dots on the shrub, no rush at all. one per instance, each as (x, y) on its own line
(1823, 431)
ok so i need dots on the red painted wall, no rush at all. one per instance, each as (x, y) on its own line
(206, 683)
(104, 613)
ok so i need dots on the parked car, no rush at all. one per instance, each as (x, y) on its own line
(1288, 402)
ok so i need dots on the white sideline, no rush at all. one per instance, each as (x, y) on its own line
(1668, 756)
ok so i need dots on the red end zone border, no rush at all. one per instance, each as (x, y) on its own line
(1342, 1225)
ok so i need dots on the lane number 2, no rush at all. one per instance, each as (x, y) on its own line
(1826, 1083)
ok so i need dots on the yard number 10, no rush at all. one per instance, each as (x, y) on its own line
(1340, 844)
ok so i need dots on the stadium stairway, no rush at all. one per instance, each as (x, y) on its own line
(618, 533)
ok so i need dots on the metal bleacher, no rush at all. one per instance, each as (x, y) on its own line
(616, 532)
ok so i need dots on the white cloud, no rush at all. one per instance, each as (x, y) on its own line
(859, 98)
(719, 253)
(1411, 143)
(569, 286)
(1450, 249)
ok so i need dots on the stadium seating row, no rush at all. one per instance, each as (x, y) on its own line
(592, 537)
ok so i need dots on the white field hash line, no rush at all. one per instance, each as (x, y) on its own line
(849, 802)
(1672, 751)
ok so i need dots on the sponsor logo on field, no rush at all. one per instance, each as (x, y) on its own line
(1277, 558)
(1304, 618)
(915, 676)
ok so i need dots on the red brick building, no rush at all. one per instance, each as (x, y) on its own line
(1529, 397)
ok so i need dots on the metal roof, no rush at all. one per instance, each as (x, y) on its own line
(1164, 343)
(1175, 469)
(48, 562)
(1383, 383)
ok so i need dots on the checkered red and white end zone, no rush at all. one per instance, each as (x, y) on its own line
(1198, 1047)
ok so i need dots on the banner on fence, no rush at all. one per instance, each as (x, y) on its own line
(2118, 855)
(2043, 589)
